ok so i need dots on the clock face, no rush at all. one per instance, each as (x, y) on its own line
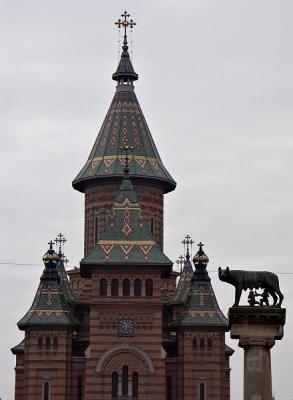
(126, 327)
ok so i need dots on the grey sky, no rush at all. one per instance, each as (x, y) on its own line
(215, 84)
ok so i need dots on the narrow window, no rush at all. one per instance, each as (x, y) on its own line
(124, 380)
(88, 235)
(48, 342)
(114, 287)
(103, 287)
(201, 343)
(149, 287)
(202, 391)
(46, 391)
(55, 342)
(96, 228)
(209, 343)
(114, 385)
(40, 342)
(194, 344)
(126, 287)
(135, 385)
(169, 387)
(79, 387)
(137, 287)
(153, 226)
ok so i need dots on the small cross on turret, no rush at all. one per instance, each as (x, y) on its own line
(180, 261)
(60, 239)
(187, 242)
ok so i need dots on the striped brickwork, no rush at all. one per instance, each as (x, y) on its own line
(99, 200)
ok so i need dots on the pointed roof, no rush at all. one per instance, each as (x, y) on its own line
(124, 122)
(49, 306)
(201, 308)
(127, 238)
(64, 279)
(184, 283)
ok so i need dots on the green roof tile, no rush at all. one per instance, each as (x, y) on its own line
(127, 238)
(49, 306)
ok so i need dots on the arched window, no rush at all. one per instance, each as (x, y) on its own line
(114, 384)
(135, 385)
(149, 287)
(103, 287)
(124, 380)
(48, 342)
(40, 342)
(202, 391)
(201, 343)
(46, 391)
(137, 287)
(126, 287)
(55, 342)
(114, 287)
(79, 387)
(209, 343)
(194, 344)
(169, 387)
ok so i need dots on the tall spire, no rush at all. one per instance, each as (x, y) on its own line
(125, 73)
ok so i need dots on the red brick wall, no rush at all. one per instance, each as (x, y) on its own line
(99, 199)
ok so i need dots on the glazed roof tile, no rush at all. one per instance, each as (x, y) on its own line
(127, 238)
(49, 306)
(124, 122)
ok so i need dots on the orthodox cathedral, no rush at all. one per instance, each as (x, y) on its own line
(124, 325)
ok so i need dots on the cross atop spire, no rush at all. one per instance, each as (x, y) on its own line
(60, 240)
(200, 245)
(180, 261)
(125, 23)
(125, 74)
(187, 242)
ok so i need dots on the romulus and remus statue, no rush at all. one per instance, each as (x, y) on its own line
(243, 280)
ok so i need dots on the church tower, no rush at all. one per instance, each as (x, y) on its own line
(120, 328)
(100, 177)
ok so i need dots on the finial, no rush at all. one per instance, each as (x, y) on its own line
(187, 242)
(125, 74)
(126, 148)
(125, 23)
(180, 261)
(201, 257)
(50, 258)
(60, 239)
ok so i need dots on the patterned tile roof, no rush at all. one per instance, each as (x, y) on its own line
(127, 238)
(124, 123)
(184, 283)
(64, 280)
(201, 307)
(49, 306)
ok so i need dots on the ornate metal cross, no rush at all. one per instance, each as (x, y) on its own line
(51, 244)
(180, 261)
(60, 239)
(125, 23)
(187, 242)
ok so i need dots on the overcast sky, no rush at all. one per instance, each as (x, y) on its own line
(215, 84)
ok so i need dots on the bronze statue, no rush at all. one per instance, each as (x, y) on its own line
(243, 280)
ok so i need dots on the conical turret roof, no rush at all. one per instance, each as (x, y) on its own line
(49, 306)
(124, 123)
(127, 238)
(201, 308)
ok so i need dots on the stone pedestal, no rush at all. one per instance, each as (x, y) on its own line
(257, 328)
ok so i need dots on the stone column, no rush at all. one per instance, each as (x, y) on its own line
(257, 328)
